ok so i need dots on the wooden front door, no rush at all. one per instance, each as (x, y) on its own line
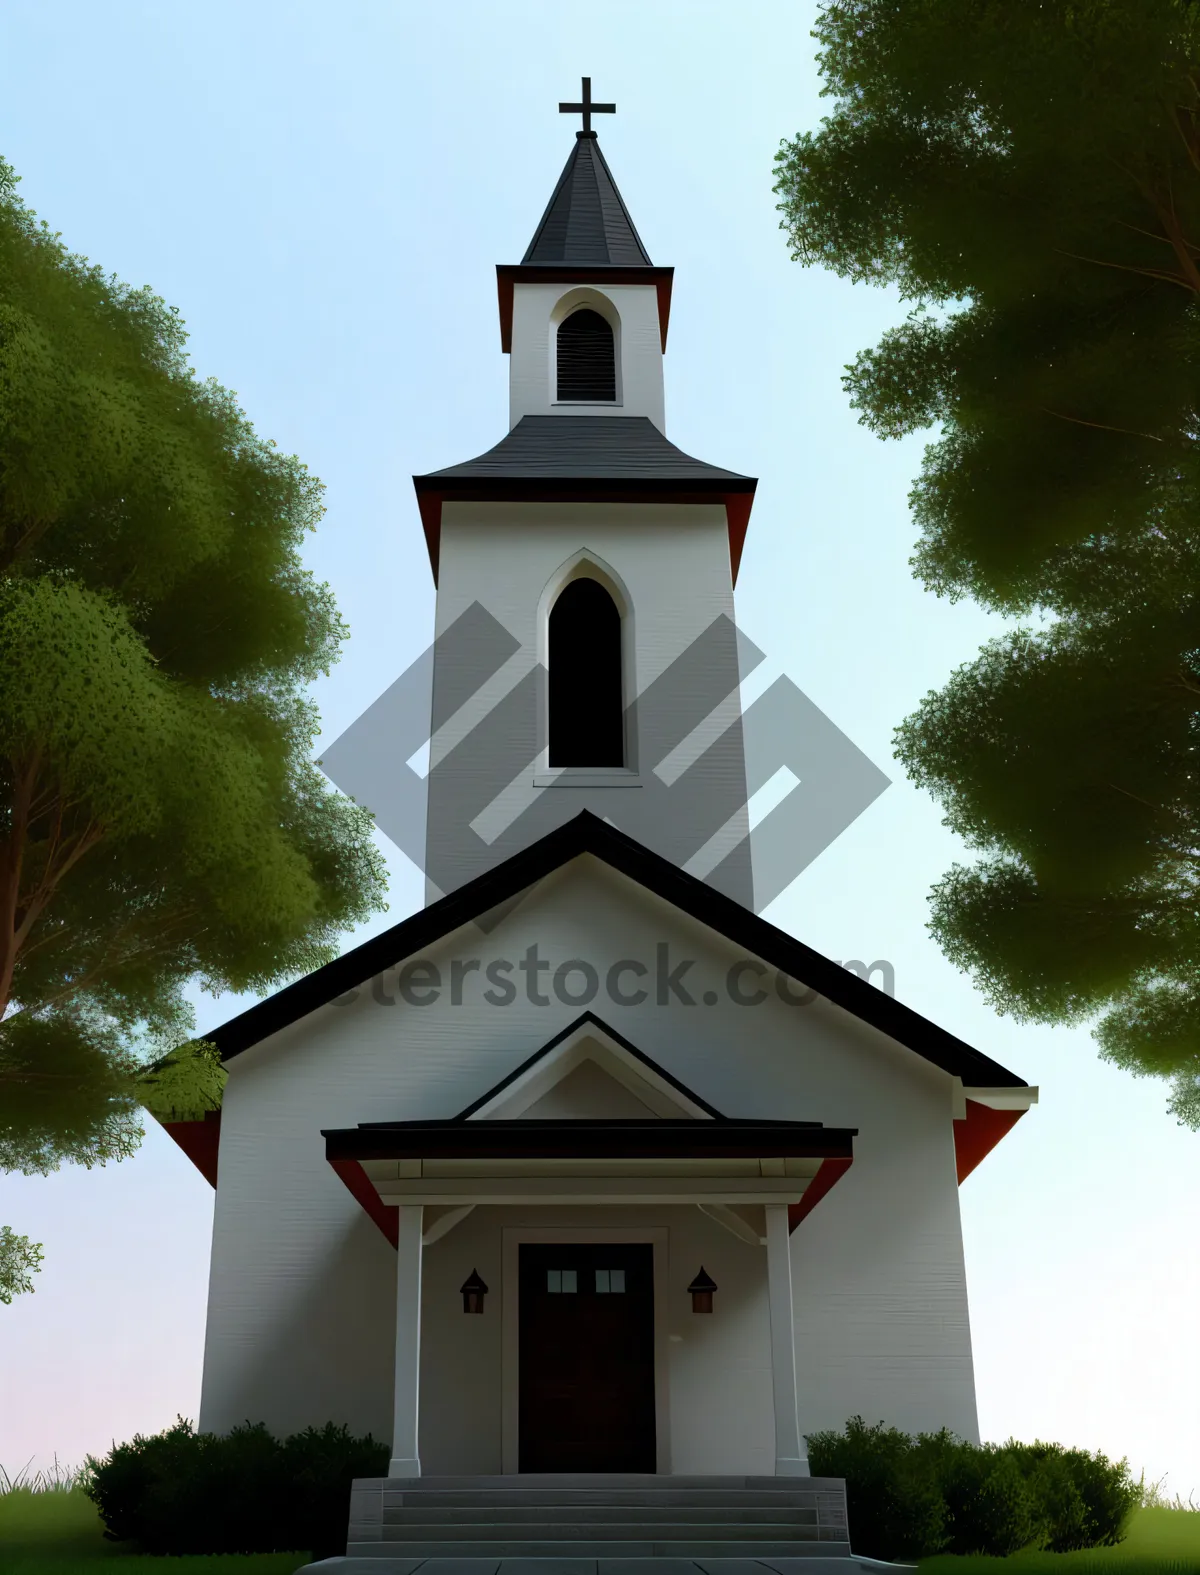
(586, 1357)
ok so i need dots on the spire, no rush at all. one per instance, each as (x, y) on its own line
(586, 222)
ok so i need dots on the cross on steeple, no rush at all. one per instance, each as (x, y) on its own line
(587, 109)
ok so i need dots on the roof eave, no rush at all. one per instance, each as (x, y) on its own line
(735, 492)
(573, 1139)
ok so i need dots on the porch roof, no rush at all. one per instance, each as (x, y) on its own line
(575, 1139)
(456, 1165)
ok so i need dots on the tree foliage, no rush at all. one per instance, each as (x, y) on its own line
(1027, 176)
(161, 821)
(20, 1259)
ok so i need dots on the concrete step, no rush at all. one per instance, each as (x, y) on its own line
(656, 1547)
(698, 1513)
(553, 1498)
(388, 1565)
(587, 1529)
(602, 1480)
(598, 1524)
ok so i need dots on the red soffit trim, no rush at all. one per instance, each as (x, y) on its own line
(430, 505)
(832, 1170)
(385, 1215)
(664, 307)
(978, 1132)
(200, 1141)
(504, 290)
(737, 513)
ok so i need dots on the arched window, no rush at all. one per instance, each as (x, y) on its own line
(587, 363)
(586, 702)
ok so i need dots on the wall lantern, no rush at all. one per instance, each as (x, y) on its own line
(702, 1288)
(473, 1292)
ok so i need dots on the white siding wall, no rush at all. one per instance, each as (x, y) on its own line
(301, 1298)
(531, 361)
(670, 562)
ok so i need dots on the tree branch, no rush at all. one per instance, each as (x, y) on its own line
(1179, 241)
(1158, 809)
(52, 877)
(1099, 425)
(11, 863)
(164, 941)
(10, 554)
(1150, 235)
(1147, 273)
(1188, 143)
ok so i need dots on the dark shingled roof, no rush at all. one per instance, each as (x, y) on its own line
(587, 833)
(583, 1139)
(586, 221)
(586, 448)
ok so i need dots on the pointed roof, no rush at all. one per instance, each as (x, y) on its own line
(586, 833)
(993, 1097)
(586, 221)
(677, 1125)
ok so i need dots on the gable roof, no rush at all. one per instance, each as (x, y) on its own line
(699, 1132)
(585, 833)
(649, 1071)
(586, 220)
(593, 459)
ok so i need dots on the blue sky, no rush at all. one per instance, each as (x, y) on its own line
(323, 191)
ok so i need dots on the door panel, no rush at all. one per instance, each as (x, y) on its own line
(586, 1354)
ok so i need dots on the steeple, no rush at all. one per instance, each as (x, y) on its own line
(597, 559)
(586, 222)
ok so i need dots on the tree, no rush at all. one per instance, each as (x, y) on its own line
(161, 821)
(1028, 176)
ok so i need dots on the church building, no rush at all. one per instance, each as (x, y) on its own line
(585, 1167)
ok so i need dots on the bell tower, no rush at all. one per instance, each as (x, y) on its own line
(586, 654)
(596, 348)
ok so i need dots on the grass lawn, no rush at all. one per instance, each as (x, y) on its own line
(25, 1562)
(1158, 1541)
(59, 1532)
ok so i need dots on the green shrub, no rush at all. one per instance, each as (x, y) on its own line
(1085, 1500)
(182, 1492)
(913, 1497)
(893, 1503)
(990, 1507)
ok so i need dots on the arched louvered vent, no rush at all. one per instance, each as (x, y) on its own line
(587, 363)
(586, 705)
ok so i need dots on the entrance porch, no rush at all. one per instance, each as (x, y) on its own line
(587, 1356)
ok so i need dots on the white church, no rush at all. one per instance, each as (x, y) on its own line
(586, 1177)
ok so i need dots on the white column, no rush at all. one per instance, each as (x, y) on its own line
(791, 1458)
(405, 1460)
